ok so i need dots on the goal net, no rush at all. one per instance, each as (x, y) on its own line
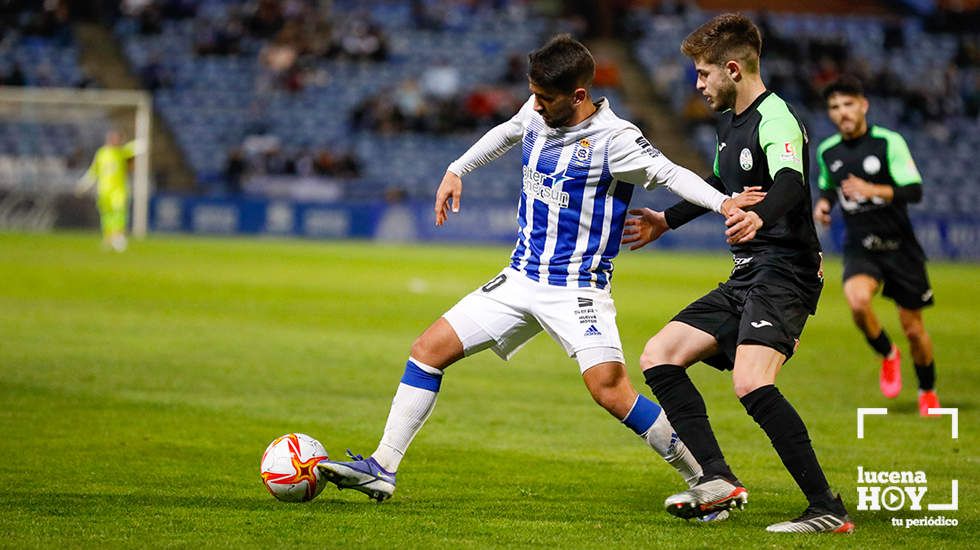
(48, 137)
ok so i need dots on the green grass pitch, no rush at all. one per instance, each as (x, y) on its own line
(138, 391)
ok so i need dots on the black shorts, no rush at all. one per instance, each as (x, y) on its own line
(768, 313)
(902, 273)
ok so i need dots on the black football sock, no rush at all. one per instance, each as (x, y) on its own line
(789, 437)
(882, 344)
(926, 375)
(685, 409)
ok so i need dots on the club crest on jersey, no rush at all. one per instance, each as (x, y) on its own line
(582, 155)
(871, 165)
(745, 159)
(546, 188)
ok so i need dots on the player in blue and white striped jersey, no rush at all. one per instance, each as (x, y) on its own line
(581, 163)
(577, 183)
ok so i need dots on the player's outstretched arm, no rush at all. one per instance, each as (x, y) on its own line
(87, 181)
(448, 194)
(650, 225)
(647, 227)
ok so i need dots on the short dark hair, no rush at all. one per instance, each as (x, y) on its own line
(845, 84)
(563, 64)
(727, 36)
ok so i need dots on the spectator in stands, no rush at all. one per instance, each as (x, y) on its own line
(894, 34)
(276, 62)
(146, 13)
(218, 38)
(320, 38)
(278, 162)
(266, 20)
(489, 106)
(516, 72)
(328, 164)
(264, 155)
(428, 16)
(364, 41)
(826, 72)
(52, 21)
(155, 74)
(411, 105)
(441, 81)
(178, 9)
(967, 52)
(13, 76)
(970, 92)
(44, 75)
(378, 113)
(234, 171)
(606, 73)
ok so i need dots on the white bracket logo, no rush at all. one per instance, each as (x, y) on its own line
(954, 415)
(873, 496)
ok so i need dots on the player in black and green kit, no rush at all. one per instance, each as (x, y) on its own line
(751, 323)
(869, 171)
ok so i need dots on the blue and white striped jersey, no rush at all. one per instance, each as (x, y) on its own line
(577, 185)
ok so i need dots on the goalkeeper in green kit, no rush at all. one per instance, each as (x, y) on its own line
(108, 170)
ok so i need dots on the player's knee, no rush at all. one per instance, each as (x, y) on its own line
(915, 332)
(746, 383)
(657, 352)
(860, 303)
(429, 352)
(610, 387)
(607, 397)
(421, 348)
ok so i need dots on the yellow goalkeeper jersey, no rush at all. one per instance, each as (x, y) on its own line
(109, 168)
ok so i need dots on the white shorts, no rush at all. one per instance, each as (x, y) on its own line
(508, 311)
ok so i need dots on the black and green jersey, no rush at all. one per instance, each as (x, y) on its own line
(753, 147)
(880, 156)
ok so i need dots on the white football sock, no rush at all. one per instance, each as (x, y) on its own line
(411, 406)
(661, 438)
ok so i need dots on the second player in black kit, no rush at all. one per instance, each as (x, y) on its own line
(759, 147)
(868, 170)
(751, 323)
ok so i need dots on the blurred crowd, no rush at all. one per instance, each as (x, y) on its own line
(50, 19)
(436, 101)
(290, 39)
(49, 22)
(286, 37)
(801, 66)
(800, 69)
(260, 156)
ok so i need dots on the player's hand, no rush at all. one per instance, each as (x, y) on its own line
(648, 227)
(448, 196)
(742, 226)
(748, 197)
(857, 189)
(821, 212)
(82, 187)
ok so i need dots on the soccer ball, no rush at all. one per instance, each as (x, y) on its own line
(289, 468)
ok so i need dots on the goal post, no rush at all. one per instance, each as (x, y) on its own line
(50, 116)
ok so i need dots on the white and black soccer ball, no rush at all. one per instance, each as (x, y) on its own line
(289, 468)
